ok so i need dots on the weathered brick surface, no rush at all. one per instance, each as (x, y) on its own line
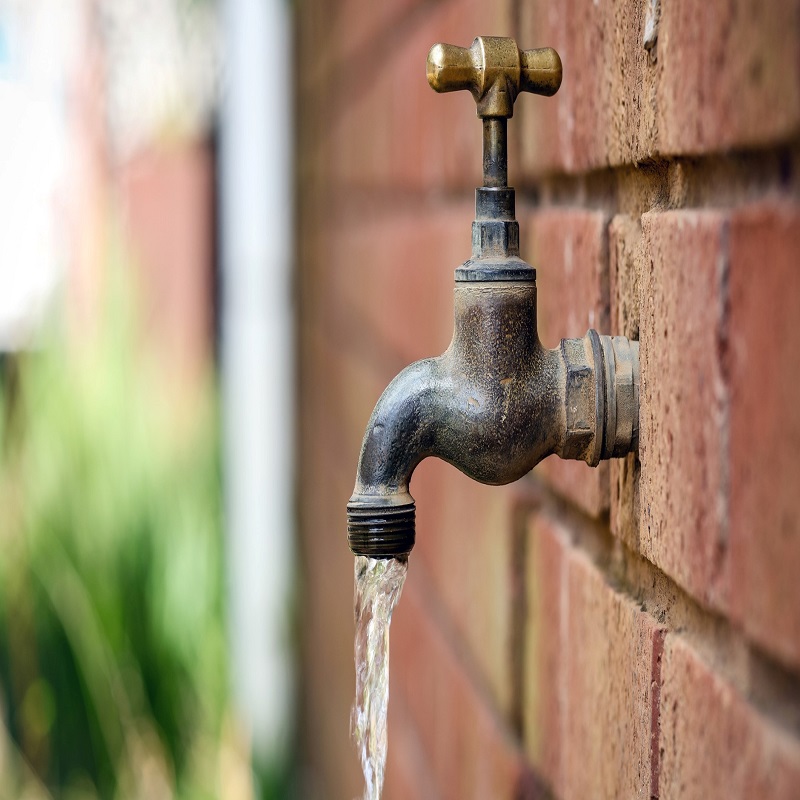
(728, 74)
(592, 672)
(464, 544)
(719, 76)
(604, 112)
(717, 297)
(762, 357)
(545, 684)
(682, 420)
(566, 132)
(469, 751)
(614, 652)
(624, 246)
(568, 247)
(713, 743)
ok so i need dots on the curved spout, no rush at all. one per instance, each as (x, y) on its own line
(402, 429)
(493, 405)
(399, 435)
(483, 406)
(488, 405)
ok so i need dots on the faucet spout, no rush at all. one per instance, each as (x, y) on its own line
(493, 405)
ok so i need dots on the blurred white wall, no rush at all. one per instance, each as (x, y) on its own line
(257, 359)
(37, 49)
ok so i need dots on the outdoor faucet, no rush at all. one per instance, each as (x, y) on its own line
(496, 402)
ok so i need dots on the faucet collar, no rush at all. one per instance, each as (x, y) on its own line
(495, 240)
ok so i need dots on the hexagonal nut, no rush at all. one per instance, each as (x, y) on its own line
(495, 238)
(580, 401)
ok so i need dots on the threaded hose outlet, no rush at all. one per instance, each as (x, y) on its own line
(381, 531)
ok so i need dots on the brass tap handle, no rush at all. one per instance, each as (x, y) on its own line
(495, 70)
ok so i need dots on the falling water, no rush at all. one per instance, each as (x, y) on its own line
(378, 583)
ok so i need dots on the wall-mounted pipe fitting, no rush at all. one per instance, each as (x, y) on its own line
(496, 402)
(601, 397)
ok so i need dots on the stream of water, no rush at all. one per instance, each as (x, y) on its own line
(378, 584)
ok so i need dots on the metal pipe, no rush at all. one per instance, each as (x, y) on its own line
(495, 152)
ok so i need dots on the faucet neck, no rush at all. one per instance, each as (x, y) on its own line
(495, 240)
(495, 327)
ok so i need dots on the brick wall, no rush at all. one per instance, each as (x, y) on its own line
(627, 631)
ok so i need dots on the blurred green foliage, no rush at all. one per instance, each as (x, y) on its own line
(113, 675)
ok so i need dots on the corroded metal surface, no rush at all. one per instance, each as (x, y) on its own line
(496, 402)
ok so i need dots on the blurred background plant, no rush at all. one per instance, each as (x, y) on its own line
(112, 641)
(146, 514)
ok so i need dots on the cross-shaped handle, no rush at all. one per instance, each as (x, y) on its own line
(495, 70)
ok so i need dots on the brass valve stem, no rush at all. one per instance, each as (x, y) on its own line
(495, 152)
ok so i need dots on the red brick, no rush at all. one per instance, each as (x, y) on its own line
(544, 691)
(566, 132)
(723, 75)
(389, 277)
(408, 771)
(728, 74)
(604, 112)
(624, 247)
(614, 649)
(682, 417)
(592, 665)
(464, 546)
(583, 485)
(719, 417)
(763, 358)
(633, 132)
(714, 744)
(339, 413)
(469, 751)
(568, 249)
